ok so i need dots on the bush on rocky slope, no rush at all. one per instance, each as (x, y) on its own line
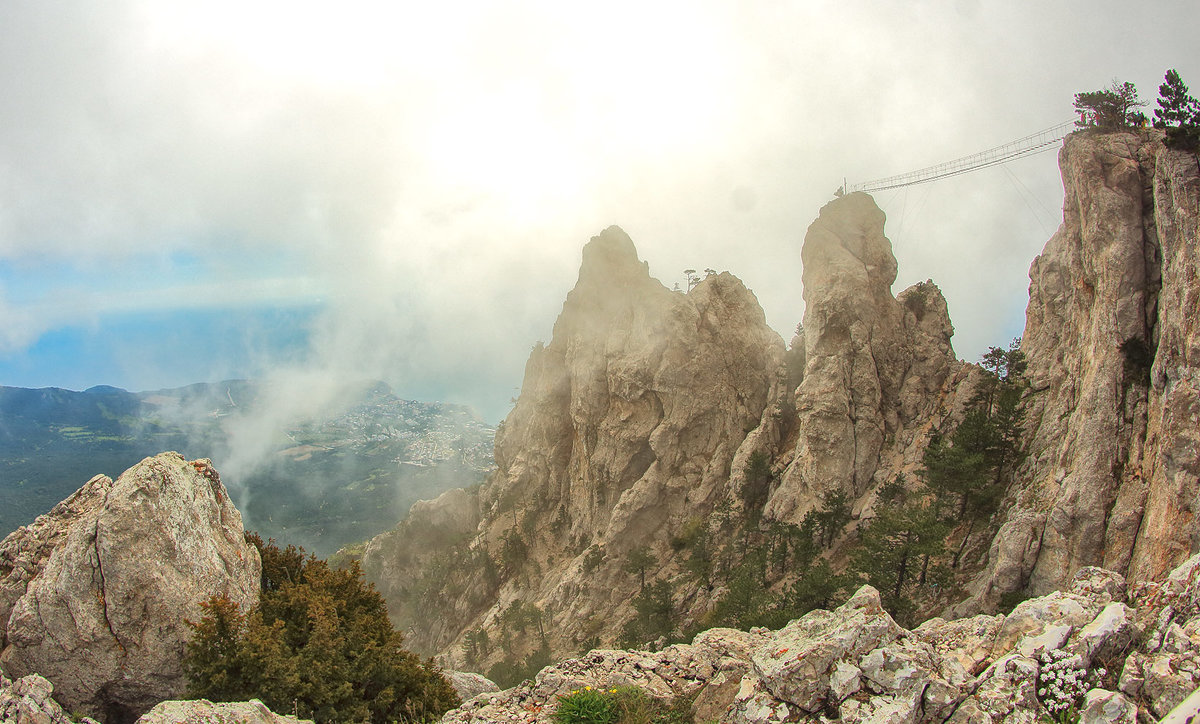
(319, 643)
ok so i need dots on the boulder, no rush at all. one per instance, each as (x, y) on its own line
(101, 589)
(1107, 707)
(203, 711)
(28, 700)
(469, 685)
(796, 664)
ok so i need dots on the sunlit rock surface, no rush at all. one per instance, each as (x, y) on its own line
(95, 595)
(878, 369)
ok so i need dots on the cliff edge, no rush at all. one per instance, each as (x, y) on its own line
(1112, 338)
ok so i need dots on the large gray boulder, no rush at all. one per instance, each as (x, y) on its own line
(97, 594)
(203, 711)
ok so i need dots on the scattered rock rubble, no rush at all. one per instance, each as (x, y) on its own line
(1138, 646)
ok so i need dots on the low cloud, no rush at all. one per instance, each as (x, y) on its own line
(426, 177)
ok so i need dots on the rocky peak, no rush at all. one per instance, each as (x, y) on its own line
(95, 595)
(845, 253)
(610, 258)
(874, 365)
(630, 422)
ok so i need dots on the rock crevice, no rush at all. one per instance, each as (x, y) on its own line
(98, 591)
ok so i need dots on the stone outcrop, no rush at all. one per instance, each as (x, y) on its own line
(469, 685)
(1113, 342)
(95, 595)
(29, 700)
(877, 368)
(202, 711)
(1135, 648)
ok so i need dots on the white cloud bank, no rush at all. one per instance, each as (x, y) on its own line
(428, 172)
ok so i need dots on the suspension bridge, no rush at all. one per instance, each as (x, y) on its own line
(1026, 146)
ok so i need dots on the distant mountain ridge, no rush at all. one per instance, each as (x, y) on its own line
(324, 482)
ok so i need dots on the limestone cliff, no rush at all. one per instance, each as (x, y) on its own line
(94, 595)
(1113, 342)
(637, 423)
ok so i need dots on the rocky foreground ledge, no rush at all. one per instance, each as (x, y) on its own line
(1134, 651)
(29, 700)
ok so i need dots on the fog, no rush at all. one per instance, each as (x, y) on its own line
(424, 176)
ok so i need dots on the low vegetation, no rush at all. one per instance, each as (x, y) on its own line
(620, 705)
(318, 644)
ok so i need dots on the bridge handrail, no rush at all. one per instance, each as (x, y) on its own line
(991, 157)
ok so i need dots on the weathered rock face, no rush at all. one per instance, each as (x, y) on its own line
(875, 365)
(202, 711)
(392, 560)
(635, 410)
(1113, 343)
(637, 416)
(1135, 648)
(95, 595)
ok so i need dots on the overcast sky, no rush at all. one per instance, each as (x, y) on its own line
(194, 191)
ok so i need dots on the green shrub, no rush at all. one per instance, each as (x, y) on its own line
(319, 643)
(593, 559)
(619, 705)
(588, 706)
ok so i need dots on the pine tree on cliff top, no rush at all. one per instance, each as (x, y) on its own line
(1111, 108)
(1178, 112)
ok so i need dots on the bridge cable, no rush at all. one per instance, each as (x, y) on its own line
(1029, 145)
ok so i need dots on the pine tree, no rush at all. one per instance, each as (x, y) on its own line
(757, 484)
(654, 615)
(637, 561)
(899, 549)
(213, 664)
(1112, 108)
(1178, 112)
